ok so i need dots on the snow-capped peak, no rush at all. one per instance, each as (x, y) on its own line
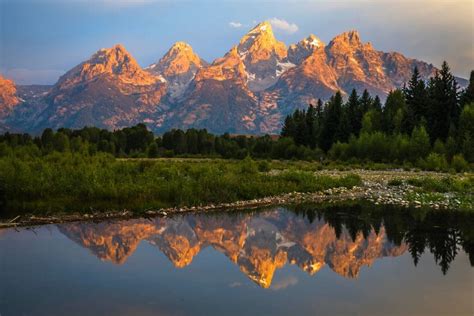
(261, 27)
(312, 40)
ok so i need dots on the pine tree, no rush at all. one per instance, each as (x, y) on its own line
(302, 131)
(289, 127)
(444, 106)
(466, 132)
(377, 104)
(319, 122)
(365, 102)
(417, 101)
(377, 114)
(468, 94)
(311, 122)
(332, 118)
(393, 112)
(354, 113)
(344, 130)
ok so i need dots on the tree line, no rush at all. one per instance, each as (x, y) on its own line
(421, 119)
(425, 124)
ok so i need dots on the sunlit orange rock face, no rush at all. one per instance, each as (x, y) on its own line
(8, 96)
(109, 90)
(229, 67)
(358, 64)
(178, 67)
(115, 62)
(264, 57)
(259, 244)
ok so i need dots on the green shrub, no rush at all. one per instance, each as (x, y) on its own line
(264, 166)
(447, 184)
(436, 162)
(459, 163)
(248, 166)
(395, 182)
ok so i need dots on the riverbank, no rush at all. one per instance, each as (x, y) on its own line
(408, 189)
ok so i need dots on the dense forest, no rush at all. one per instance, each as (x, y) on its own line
(425, 124)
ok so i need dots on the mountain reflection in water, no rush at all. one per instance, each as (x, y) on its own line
(343, 238)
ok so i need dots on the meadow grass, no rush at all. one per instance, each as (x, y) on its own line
(70, 181)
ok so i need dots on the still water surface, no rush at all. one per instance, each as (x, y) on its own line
(277, 261)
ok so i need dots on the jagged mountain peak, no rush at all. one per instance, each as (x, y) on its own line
(313, 40)
(298, 52)
(260, 42)
(114, 62)
(180, 45)
(262, 27)
(179, 59)
(117, 59)
(351, 38)
(229, 67)
(178, 67)
(265, 57)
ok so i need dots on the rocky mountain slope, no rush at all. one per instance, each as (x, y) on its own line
(249, 90)
(178, 67)
(8, 97)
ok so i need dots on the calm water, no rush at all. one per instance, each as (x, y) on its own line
(299, 261)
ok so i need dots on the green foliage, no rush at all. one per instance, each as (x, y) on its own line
(466, 131)
(81, 181)
(459, 163)
(419, 144)
(436, 162)
(395, 182)
(468, 95)
(416, 97)
(248, 166)
(264, 166)
(447, 184)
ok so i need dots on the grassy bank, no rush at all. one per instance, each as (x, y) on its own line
(459, 191)
(60, 182)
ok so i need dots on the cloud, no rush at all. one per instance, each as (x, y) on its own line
(284, 283)
(283, 25)
(235, 284)
(235, 24)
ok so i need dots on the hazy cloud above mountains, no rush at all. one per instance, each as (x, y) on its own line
(277, 24)
(285, 26)
(41, 38)
(235, 24)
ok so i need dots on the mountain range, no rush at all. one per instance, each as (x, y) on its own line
(249, 90)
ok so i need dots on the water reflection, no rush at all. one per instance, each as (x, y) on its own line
(344, 238)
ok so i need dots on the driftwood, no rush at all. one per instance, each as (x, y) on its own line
(11, 221)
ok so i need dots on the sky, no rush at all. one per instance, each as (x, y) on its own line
(42, 39)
